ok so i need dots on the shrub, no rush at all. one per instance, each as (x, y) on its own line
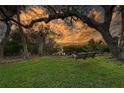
(14, 45)
(85, 48)
(102, 48)
(32, 48)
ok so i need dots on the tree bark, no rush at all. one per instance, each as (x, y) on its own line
(121, 42)
(112, 44)
(25, 47)
(24, 41)
(40, 48)
(104, 30)
(4, 40)
(1, 51)
(41, 43)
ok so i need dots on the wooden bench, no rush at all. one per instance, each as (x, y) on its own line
(83, 55)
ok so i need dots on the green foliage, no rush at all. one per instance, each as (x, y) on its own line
(76, 48)
(49, 50)
(32, 48)
(91, 46)
(62, 72)
(102, 48)
(14, 45)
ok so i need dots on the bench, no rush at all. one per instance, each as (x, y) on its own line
(83, 55)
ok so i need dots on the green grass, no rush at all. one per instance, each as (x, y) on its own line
(62, 72)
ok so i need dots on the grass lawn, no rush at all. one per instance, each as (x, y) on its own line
(62, 72)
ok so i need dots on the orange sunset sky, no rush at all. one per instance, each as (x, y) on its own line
(80, 33)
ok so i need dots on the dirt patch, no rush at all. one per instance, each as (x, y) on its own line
(19, 59)
(8, 60)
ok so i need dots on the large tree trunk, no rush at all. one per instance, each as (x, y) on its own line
(112, 43)
(24, 41)
(1, 51)
(40, 48)
(121, 42)
(104, 30)
(25, 47)
(4, 40)
(41, 42)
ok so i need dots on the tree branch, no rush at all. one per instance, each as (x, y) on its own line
(90, 22)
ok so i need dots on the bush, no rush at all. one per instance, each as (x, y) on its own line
(14, 45)
(49, 49)
(102, 48)
(85, 48)
(75, 48)
(32, 48)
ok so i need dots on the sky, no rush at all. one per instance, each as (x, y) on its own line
(79, 33)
